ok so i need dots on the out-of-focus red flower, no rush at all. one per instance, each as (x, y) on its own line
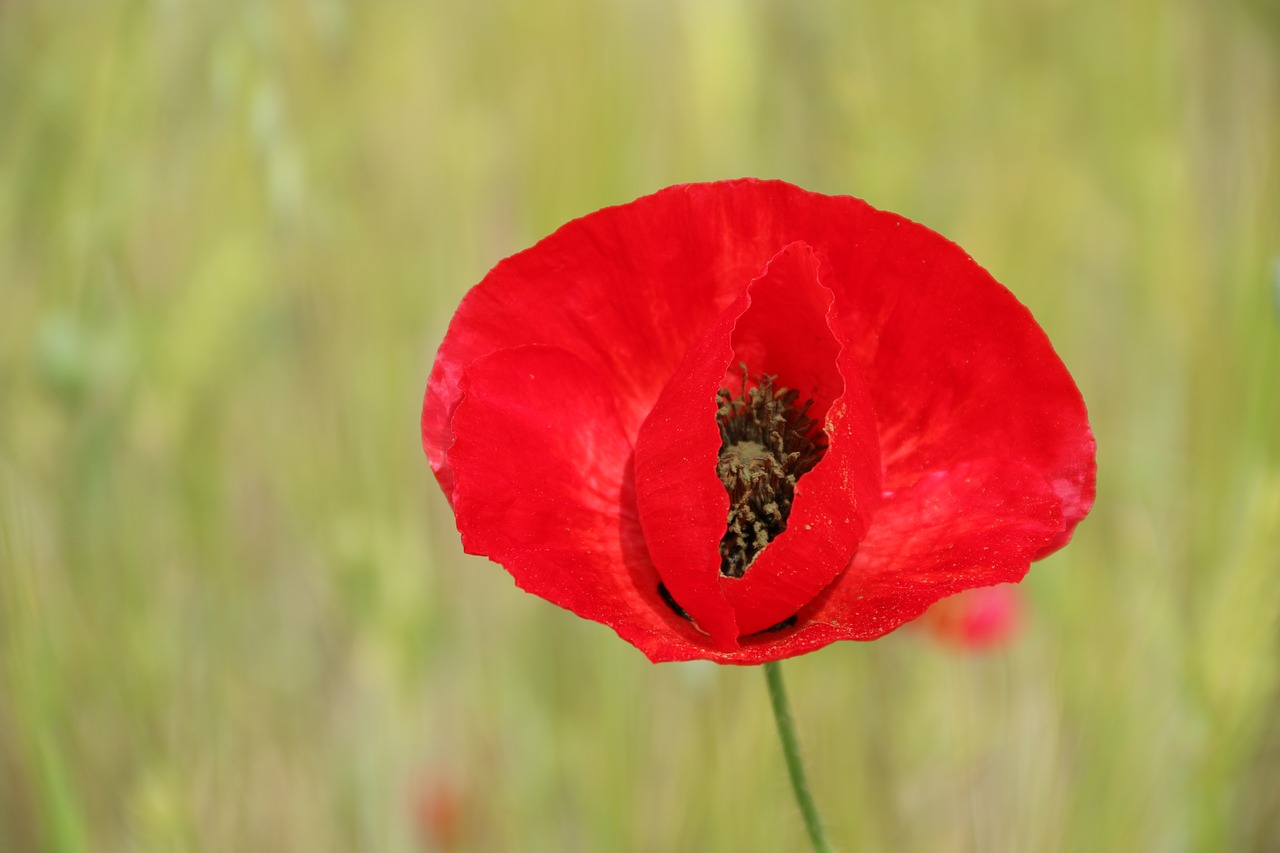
(976, 619)
(438, 813)
(606, 416)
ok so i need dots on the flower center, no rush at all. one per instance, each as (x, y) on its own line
(767, 443)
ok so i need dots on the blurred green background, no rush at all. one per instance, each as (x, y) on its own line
(234, 613)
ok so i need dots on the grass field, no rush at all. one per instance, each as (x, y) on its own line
(234, 612)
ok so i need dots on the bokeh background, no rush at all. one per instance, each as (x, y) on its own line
(234, 613)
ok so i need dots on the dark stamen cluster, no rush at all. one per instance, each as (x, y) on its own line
(766, 443)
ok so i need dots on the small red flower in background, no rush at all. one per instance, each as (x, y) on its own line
(976, 619)
(609, 417)
(438, 813)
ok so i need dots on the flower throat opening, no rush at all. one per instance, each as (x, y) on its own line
(767, 443)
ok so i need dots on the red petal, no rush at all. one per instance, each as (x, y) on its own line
(975, 526)
(542, 485)
(979, 524)
(780, 329)
(626, 289)
(959, 370)
(682, 504)
(787, 333)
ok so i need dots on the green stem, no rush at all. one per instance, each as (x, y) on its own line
(791, 750)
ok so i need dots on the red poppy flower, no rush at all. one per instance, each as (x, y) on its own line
(440, 814)
(976, 620)
(739, 421)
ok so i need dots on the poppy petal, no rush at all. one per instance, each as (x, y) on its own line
(787, 333)
(681, 502)
(542, 485)
(626, 289)
(976, 525)
(959, 370)
(683, 505)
